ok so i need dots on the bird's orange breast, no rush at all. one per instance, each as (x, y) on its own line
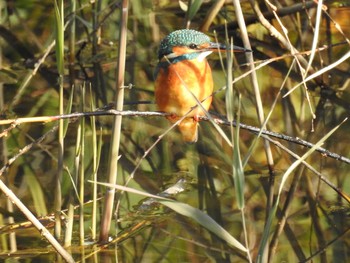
(174, 82)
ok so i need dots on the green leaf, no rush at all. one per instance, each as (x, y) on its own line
(194, 7)
(59, 27)
(238, 172)
(204, 220)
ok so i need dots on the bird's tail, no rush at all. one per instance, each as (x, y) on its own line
(189, 130)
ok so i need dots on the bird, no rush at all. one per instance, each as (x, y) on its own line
(183, 78)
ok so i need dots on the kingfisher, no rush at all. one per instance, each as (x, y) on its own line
(183, 78)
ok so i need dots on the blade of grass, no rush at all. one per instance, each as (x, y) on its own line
(192, 9)
(74, 190)
(237, 168)
(72, 42)
(239, 177)
(36, 191)
(70, 214)
(59, 26)
(316, 34)
(96, 148)
(238, 172)
(204, 220)
(82, 170)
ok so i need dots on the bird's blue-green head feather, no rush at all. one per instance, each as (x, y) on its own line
(178, 38)
(198, 46)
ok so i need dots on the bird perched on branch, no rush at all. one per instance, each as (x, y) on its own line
(183, 78)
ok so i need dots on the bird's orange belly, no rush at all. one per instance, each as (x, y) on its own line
(175, 84)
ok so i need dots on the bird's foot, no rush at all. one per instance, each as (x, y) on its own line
(172, 117)
(196, 118)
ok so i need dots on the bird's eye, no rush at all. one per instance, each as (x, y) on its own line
(192, 46)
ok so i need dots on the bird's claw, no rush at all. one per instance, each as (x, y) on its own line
(172, 117)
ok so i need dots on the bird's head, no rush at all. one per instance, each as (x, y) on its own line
(189, 44)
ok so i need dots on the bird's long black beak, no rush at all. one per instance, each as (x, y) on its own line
(221, 47)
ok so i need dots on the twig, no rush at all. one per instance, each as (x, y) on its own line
(218, 119)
